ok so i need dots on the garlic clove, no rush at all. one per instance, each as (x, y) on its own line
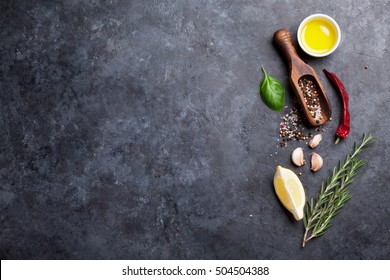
(315, 141)
(297, 157)
(316, 162)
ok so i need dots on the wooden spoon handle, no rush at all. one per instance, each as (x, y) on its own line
(283, 42)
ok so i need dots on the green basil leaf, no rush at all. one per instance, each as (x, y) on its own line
(272, 92)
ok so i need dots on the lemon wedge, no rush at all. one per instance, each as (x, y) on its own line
(290, 191)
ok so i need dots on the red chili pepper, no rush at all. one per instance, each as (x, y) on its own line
(345, 120)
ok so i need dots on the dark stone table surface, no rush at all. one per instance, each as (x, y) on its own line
(134, 130)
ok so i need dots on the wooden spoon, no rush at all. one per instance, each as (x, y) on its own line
(302, 74)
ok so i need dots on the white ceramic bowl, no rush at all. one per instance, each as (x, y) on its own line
(328, 19)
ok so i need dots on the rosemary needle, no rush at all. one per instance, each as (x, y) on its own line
(333, 194)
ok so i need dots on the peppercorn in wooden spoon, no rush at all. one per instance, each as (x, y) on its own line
(304, 81)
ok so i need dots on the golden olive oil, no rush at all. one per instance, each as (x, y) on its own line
(318, 36)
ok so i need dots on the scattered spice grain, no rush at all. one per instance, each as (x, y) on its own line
(292, 128)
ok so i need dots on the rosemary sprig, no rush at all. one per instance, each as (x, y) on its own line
(333, 194)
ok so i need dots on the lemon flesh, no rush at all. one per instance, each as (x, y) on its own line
(290, 191)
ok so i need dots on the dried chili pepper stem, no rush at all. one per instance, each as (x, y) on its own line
(345, 120)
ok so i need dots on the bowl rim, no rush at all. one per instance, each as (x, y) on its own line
(329, 19)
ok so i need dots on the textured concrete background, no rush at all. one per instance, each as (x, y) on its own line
(134, 130)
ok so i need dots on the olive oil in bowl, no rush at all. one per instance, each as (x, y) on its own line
(318, 35)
